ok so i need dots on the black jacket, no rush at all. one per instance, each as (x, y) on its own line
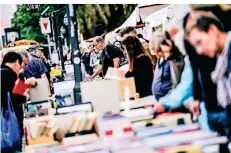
(8, 78)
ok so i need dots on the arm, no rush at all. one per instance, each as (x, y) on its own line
(116, 62)
(183, 90)
(114, 54)
(97, 71)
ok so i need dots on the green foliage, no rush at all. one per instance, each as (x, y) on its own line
(93, 19)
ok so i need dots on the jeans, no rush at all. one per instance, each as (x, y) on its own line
(220, 122)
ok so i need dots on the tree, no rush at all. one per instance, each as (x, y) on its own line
(96, 19)
(28, 21)
(93, 19)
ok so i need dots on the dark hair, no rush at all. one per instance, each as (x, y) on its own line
(99, 39)
(12, 57)
(134, 48)
(203, 22)
(126, 30)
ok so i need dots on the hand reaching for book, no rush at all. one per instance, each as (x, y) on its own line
(158, 108)
(26, 94)
(195, 108)
(31, 81)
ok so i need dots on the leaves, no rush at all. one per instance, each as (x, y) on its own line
(92, 19)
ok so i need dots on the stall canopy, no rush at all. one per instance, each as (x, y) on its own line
(167, 13)
(155, 19)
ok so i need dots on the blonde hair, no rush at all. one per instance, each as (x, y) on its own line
(148, 53)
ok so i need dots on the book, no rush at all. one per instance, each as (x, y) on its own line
(20, 87)
(178, 138)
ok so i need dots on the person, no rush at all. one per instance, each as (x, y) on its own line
(10, 69)
(140, 65)
(95, 57)
(36, 67)
(110, 56)
(162, 81)
(221, 11)
(85, 61)
(48, 66)
(204, 89)
(176, 61)
(206, 33)
(129, 30)
(178, 98)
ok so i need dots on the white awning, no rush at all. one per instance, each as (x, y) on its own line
(172, 11)
(155, 19)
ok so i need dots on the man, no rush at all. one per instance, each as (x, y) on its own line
(36, 67)
(110, 56)
(203, 87)
(206, 34)
(95, 57)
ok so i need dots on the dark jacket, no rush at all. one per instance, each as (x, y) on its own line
(8, 78)
(35, 68)
(162, 82)
(203, 87)
(143, 75)
(168, 73)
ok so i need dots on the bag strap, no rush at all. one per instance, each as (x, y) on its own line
(106, 53)
(229, 57)
(10, 105)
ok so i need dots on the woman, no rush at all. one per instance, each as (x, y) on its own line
(140, 65)
(10, 69)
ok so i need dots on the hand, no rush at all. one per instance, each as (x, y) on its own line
(26, 94)
(121, 73)
(195, 108)
(31, 81)
(158, 108)
(88, 77)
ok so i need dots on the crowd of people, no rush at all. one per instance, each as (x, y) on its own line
(195, 78)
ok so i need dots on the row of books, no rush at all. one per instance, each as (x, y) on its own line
(154, 139)
(137, 130)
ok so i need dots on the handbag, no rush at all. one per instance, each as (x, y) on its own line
(10, 132)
